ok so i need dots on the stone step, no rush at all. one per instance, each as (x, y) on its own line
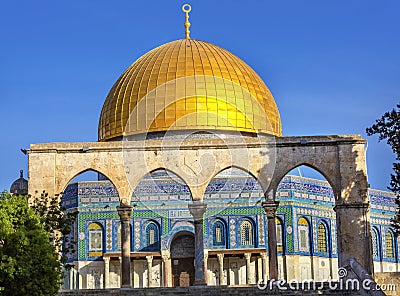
(206, 291)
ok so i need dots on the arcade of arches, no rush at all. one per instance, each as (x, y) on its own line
(340, 158)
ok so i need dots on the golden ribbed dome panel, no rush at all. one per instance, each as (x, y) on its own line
(188, 84)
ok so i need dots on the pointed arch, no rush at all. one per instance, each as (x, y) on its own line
(247, 232)
(168, 171)
(389, 244)
(234, 184)
(219, 234)
(251, 173)
(322, 238)
(67, 181)
(152, 236)
(376, 246)
(158, 176)
(63, 183)
(280, 173)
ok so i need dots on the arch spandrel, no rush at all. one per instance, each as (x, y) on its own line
(70, 165)
(196, 168)
(119, 185)
(322, 159)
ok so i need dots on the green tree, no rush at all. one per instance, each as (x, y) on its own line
(30, 239)
(388, 128)
(57, 222)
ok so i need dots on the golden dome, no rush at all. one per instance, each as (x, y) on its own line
(188, 85)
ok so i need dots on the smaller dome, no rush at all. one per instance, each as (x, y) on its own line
(20, 186)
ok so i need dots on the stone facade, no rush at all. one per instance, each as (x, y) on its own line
(341, 159)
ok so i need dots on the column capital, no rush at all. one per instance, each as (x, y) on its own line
(106, 260)
(149, 259)
(220, 257)
(270, 208)
(124, 212)
(197, 210)
(263, 256)
(165, 258)
(247, 256)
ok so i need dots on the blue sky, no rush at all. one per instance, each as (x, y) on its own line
(332, 66)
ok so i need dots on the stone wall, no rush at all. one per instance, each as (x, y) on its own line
(341, 159)
(389, 282)
(209, 291)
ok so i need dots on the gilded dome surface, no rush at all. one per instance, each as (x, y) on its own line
(188, 85)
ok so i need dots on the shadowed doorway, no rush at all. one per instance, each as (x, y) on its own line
(182, 255)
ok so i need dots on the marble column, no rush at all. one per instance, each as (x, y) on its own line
(167, 269)
(124, 212)
(221, 269)
(149, 271)
(197, 210)
(248, 267)
(206, 265)
(106, 272)
(270, 210)
(264, 267)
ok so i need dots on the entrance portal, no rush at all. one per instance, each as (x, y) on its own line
(182, 256)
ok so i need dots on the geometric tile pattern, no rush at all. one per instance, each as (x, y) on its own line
(298, 196)
(109, 240)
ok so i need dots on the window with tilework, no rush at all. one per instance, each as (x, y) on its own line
(219, 234)
(303, 228)
(246, 233)
(279, 235)
(95, 237)
(389, 245)
(322, 238)
(152, 237)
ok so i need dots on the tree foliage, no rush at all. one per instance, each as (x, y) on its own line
(30, 237)
(57, 222)
(388, 128)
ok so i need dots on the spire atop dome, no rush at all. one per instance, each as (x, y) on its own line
(186, 8)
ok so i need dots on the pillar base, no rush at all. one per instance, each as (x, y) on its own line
(125, 287)
(200, 283)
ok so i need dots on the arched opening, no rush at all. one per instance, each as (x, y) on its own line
(389, 245)
(234, 197)
(161, 188)
(152, 231)
(389, 260)
(182, 257)
(306, 201)
(246, 232)
(95, 198)
(322, 239)
(95, 241)
(376, 249)
(159, 196)
(375, 244)
(160, 201)
(219, 234)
